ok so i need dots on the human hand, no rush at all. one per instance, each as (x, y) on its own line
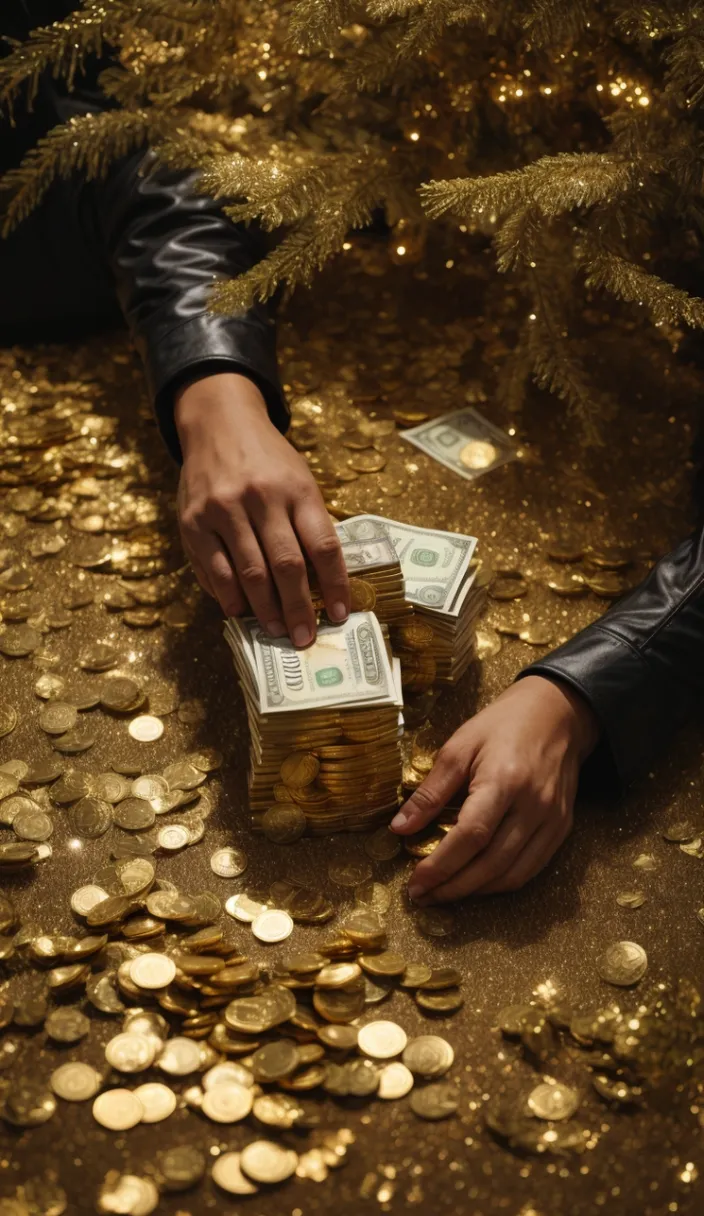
(249, 510)
(521, 756)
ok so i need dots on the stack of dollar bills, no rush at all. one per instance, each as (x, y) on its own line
(376, 578)
(325, 723)
(438, 642)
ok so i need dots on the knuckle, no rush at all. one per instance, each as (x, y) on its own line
(256, 490)
(512, 773)
(255, 575)
(326, 547)
(477, 835)
(289, 563)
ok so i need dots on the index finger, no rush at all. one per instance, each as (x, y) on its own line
(321, 543)
(479, 817)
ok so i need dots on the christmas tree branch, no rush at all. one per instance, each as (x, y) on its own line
(666, 304)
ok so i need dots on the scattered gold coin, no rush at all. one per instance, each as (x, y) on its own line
(158, 1101)
(623, 964)
(228, 1175)
(265, 1161)
(553, 1100)
(227, 1103)
(152, 971)
(435, 1101)
(395, 1081)
(75, 1082)
(630, 899)
(272, 925)
(381, 1040)
(117, 1109)
(283, 823)
(428, 1055)
(228, 862)
(146, 728)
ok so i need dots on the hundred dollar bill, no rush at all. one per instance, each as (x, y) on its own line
(347, 665)
(434, 563)
(463, 441)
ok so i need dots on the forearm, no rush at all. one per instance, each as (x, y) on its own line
(641, 666)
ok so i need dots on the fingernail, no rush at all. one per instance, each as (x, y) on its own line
(416, 889)
(400, 820)
(276, 629)
(338, 612)
(301, 635)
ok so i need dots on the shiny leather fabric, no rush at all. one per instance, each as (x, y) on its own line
(641, 666)
(144, 236)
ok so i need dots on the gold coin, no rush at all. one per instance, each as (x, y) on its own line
(127, 1193)
(553, 1100)
(508, 587)
(395, 1081)
(679, 832)
(275, 1060)
(110, 787)
(535, 635)
(80, 739)
(442, 977)
(152, 971)
(512, 1019)
(446, 1001)
(415, 975)
(608, 585)
(416, 635)
(90, 818)
(120, 694)
(265, 1161)
(283, 823)
(478, 454)
(228, 1073)
(630, 899)
(339, 1037)
(337, 975)
(207, 759)
(134, 814)
(364, 927)
(488, 643)
(645, 861)
(349, 873)
(428, 1055)
(565, 549)
(146, 728)
(57, 717)
(130, 1052)
(227, 1174)
(277, 1110)
(362, 595)
(623, 964)
(381, 1040)
(435, 922)
(375, 894)
(299, 770)
(272, 926)
(382, 845)
(99, 656)
(67, 1025)
(180, 1057)
(570, 586)
(181, 1167)
(227, 1103)
(436, 1101)
(339, 1004)
(244, 908)
(32, 825)
(117, 1109)
(228, 862)
(158, 1101)
(367, 462)
(8, 719)
(693, 848)
(173, 837)
(386, 963)
(18, 641)
(75, 1082)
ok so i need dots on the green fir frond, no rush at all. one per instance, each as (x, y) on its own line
(552, 23)
(87, 144)
(666, 304)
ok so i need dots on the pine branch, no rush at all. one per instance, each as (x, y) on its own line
(295, 259)
(388, 10)
(685, 68)
(61, 48)
(404, 46)
(275, 194)
(666, 304)
(555, 23)
(87, 144)
(317, 23)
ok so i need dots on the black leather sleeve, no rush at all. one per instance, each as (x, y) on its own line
(641, 666)
(166, 245)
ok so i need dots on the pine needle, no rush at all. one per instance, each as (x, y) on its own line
(666, 304)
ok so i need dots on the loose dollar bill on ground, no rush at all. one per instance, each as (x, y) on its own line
(463, 441)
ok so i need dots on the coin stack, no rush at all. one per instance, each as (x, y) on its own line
(373, 564)
(325, 725)
(451, 647)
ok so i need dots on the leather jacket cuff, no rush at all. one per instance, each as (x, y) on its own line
(634, 700)
(203, 346)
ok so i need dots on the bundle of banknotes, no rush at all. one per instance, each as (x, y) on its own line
(435, 634)
(325, 725)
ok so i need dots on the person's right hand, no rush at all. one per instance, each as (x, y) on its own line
(249, 510)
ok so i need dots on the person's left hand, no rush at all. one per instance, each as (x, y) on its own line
(521, 757)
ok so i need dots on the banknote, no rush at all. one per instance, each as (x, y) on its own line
(347, 665)
(365, 543)
(463, 441)
(434, 563)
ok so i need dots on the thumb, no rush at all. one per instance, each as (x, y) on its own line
(450, 770)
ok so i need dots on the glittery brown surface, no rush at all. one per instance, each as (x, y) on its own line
(361, 356)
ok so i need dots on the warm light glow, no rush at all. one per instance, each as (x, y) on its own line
(400, 249)
(415, 136)
(547, 90)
